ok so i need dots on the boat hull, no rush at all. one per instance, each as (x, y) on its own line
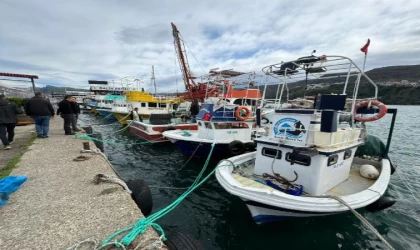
(268, 205)
(262, 213)
(93, 109)
(106, 114)
(153, 133)
(201, 149)
(121, 117)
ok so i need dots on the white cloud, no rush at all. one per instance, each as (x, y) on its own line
(70, 42)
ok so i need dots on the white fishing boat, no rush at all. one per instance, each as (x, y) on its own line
(315, 161)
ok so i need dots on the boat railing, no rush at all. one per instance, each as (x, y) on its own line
(318, 70)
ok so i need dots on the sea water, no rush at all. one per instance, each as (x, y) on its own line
(222, 221)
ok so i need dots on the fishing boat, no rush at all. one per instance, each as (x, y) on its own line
(227, 120)
(315, 161)
(151, 129)
(146, 103)
(227, 114)
(223, 81)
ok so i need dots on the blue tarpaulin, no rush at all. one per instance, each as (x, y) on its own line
(9, 185)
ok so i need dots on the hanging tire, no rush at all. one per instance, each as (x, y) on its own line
(250, 146)
(181, 241)
(236, 148)
(141, 195)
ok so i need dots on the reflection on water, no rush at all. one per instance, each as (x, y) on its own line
(222, 221)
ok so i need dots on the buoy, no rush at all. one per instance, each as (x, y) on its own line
(369, 171)
(238, 113)
(382, 111)
(382, 203)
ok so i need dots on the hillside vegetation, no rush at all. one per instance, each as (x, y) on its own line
(389, 94)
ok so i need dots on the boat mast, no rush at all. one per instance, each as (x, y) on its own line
(153, 78)
(183, 60)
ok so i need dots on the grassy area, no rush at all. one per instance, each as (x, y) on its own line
(12, 164)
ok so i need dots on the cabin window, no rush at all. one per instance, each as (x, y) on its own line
(226, 125)
(199, 123)
(163, 105)
(222, 125)
(208, 125)
(143, 104)
(152, 105)
(271, 152)
(347, 154)
(333, 159)
(298, 159)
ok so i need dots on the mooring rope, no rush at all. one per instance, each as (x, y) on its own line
(103, 118)
(408, 186)
(141, 226)
(359, 216)
(87, 137)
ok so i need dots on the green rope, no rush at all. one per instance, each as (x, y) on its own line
(87, 137)
(141, 225)
(185, 133)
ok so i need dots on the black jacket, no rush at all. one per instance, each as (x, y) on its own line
(8, 112)
(37, 106)
(64, 107)
(75, 107)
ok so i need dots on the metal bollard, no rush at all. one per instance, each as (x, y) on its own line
(86, 146)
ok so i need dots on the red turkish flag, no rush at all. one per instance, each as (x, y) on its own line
(206, 117)
(365, 48)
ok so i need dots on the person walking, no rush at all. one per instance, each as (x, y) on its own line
(41, 110)
(76, 111)
(8, 120)
(65, 111)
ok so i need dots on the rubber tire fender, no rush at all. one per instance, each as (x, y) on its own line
(250, 146)
(236, 147)
(181, 241)
(141, 195)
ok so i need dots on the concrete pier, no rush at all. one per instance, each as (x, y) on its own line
(60, 205)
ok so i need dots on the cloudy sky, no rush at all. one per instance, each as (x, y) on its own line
(67, 43)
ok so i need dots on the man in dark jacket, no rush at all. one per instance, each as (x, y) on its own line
(41, 110)
(8, 120)
(76, 111)
(66, 112)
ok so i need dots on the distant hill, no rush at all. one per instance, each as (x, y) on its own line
(396, 85)
(57, 90)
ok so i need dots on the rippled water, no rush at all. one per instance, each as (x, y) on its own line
(222, 221)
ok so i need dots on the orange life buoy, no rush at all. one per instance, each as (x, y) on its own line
(382, 111)
(238, 113)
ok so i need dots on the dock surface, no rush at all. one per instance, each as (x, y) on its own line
(60, 205)
(22, 136)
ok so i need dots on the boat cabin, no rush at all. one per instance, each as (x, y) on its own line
(226, 122)
(309, 145)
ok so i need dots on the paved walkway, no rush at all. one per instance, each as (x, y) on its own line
(22, 135)
(59, 205)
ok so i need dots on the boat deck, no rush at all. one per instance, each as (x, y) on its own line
(354, 184)
(243, 173)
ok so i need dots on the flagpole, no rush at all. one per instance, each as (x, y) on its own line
(364, 63)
